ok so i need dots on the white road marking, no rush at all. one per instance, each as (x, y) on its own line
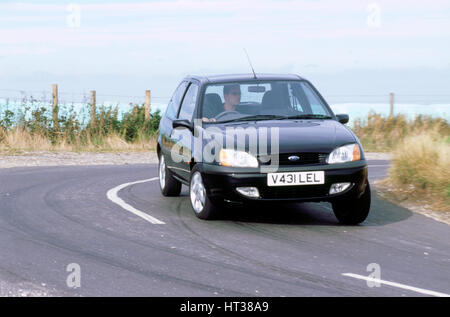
(410, 288)
(379, 165)
(112, 195)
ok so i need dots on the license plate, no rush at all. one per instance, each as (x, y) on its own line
(296, 178)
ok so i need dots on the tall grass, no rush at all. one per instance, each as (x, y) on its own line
(421, 168)
(31, 129)
(378, 133)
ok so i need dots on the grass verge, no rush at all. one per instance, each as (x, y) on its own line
(420, 171)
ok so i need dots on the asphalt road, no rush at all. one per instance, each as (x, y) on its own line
(54, 216)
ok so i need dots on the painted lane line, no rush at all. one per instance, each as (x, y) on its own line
(407, 287)
(112, 195)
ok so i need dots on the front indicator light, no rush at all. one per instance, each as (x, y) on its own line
(339, 188)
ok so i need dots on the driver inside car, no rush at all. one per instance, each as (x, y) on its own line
(232, 97)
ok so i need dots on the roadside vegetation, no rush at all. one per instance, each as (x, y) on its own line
(420, 169)
(32, 130)
(379, 133)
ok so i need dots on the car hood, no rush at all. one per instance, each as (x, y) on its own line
(295, 136)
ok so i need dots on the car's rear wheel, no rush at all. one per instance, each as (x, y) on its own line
(353, 211)
(200, 202)
(168, 184)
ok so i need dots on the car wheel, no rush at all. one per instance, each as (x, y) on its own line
(168, 184)
(200, 202)
(355, 211)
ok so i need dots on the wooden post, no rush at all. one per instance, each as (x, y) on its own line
(55, 107)
(147, 105)
(93, 100)
(391, 112)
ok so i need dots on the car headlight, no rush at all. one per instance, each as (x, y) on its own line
(234, 158)
(346, 153)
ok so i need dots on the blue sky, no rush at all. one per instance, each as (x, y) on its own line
(119, 47)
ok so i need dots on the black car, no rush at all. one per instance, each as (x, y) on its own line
(252, 138)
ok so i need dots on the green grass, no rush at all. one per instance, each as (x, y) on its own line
(32, 130)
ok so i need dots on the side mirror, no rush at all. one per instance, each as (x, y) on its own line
(184, 124)
(342, 118)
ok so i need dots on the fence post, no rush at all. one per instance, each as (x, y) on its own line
(55, 107)
(147, 105)
(93, 100)
(391, 112)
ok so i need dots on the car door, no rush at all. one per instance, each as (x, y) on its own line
(183, 135)
(167, 142)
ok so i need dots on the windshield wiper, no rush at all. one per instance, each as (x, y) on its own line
(308, 116)
(254, 118)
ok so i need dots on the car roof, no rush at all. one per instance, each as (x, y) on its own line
(212, 79)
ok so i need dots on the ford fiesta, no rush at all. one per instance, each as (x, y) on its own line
(247, 139)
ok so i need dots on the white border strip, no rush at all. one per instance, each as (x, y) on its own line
(112, 195)
(410, 288)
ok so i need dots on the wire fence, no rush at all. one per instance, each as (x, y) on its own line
(78, 104)
(356, 105)
(25, 96)
(424, 99)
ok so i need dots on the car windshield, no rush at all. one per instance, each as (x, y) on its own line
(262, 100)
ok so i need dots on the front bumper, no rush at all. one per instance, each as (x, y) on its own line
(221, 183)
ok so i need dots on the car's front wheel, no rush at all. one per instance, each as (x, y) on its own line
(200, 202)
(353, 211)
(168, 184)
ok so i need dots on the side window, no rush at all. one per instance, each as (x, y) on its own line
(188, 105)
(174, 103)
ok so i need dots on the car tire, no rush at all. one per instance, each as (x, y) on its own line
(167, 183)
(353, 211)
(202, 206)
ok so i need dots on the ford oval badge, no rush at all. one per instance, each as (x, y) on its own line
(293, 158)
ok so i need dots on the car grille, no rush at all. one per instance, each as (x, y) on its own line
(304, 159)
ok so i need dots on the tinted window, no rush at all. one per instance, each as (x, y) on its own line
(188, 105)
(174, 103)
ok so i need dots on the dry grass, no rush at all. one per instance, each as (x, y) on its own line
(20, 140)
(32, 129)
(382, 134)
(421, 169)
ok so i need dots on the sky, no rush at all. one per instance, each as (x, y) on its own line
(354, 48)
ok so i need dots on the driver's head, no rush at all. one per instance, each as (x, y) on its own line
(232, 96)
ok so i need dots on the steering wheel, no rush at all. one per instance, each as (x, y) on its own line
(225, 113)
